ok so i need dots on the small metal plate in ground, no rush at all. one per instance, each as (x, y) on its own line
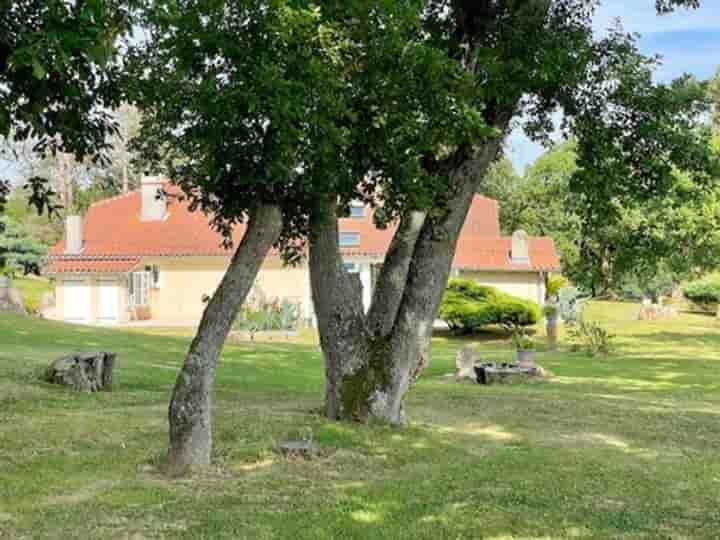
(304, 449)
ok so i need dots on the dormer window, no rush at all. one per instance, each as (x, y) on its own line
(349, 239)
(357, 209)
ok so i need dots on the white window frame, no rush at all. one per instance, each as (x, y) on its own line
(154, 271)
(139, 289)
(349, 239)
(357, 210)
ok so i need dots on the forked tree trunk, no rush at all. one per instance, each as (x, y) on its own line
(407, 350)
(189, 413)
(371, 361)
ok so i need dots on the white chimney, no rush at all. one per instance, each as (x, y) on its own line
(519, 253)
(73, 234)
(154, 205)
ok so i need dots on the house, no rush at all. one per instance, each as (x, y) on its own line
(138, 256)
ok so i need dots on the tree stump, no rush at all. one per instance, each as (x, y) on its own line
(508, 374)
(85, 372)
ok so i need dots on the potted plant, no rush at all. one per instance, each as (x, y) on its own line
(525, 348)
(551, 313)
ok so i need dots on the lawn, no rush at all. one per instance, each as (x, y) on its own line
(623, 447)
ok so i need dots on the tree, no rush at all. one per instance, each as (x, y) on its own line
(58, 71)
(654, 241)
(19, 251)
(525, 58)
(243, 105)
(41, 228)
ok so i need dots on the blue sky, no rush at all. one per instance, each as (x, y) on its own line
(687, 40)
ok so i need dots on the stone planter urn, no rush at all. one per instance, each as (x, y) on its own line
(526, 358)
(551, 330)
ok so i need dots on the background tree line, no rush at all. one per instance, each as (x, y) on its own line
(652, 246)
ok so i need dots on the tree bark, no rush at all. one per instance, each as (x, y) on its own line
(391, 282)
(337, 298)
(189, 413)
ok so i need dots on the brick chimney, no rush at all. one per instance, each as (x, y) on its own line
(73, 235)
(154, 205)
(519, 253)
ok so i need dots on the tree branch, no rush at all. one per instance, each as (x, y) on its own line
(391, 282)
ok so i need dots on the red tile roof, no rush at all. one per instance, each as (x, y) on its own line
(494, 254)
(92, 266)
(113, 230)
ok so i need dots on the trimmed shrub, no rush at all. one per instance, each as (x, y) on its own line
(468, 306)
(704, 293)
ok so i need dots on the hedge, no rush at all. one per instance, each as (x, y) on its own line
(468, 306)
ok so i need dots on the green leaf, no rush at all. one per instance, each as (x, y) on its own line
(38, 70)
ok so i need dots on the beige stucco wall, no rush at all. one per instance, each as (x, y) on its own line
(183, 282)
(528, 285)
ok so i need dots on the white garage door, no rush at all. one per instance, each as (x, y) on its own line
(76, 300)
(109, 308)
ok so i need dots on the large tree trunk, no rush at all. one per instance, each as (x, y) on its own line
(190, 408)
(372, 360)
(407, 348)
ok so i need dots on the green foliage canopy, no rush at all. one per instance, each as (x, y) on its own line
(243, 103)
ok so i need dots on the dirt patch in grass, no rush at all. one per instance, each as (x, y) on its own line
(81, 494)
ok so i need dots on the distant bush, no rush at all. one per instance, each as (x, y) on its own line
(704, 293)
(590, 337)
(264, 316)
(468, 306)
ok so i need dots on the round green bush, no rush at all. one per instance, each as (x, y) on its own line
(704, 293)
(468, 306)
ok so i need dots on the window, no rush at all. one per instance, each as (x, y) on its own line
(139, 288)
(349, 239)
(357, 209)
(154, 272)
(351, 268)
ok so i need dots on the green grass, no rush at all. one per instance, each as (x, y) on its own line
(623, 447)
(32, 290)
